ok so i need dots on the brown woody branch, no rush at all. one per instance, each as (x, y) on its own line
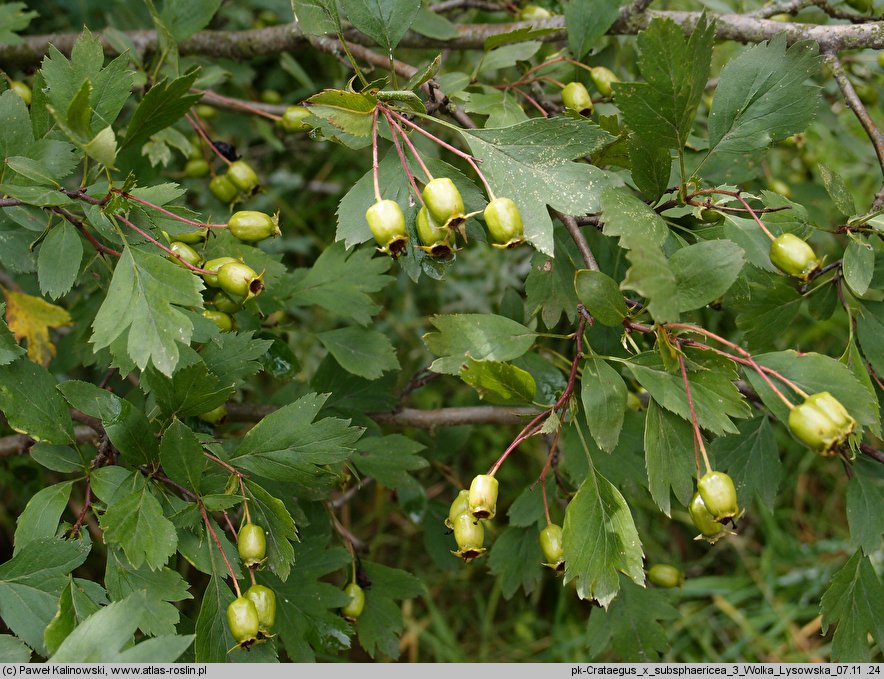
(20, 444)
(407, 417)
(246, 45)
(859, 110)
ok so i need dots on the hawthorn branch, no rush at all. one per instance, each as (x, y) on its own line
(250, 44)
(20, 444)
(859, 110)
(408, 417)
(579, 239)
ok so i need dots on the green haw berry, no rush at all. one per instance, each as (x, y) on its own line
(185, 252)
(470, 537)
(22, 90)
(553, 547)
(240, 281)
(223, 189)
(719, 495)
(353, 608)
(533, 13)
(251, 226)
(265, 604)
(603, 79)
(443, 202)
(220, 319)
(821, 422)
(252, 545)
(461, 505)
(215, 415)
(664, 575)
(196, 168)
(294, 119)
(223, 303)
(793, 256)
(780, 187)
(192, 237)
(242, 618)
(214, 265)
(710, 216)
(206, 111)
(387, 224)
(504, 222)
(710, 529)
(576, 97)
(243, 177)
(271, 97)
(483, 497)
(434, 237)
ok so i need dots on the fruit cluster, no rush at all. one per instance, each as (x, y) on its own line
(822, 423)
(252, 614)
(237, 281)
(240, 181)
(713, 505)
(439, 218)
(472, 507)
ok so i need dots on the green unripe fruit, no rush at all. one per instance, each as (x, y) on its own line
(251, 544)
(483, 497)
(192, 237)
(215, 415)
(387, 224)
(215, 265)
(703, 520)
(207, 112)
(223, 303)
(434, 237)
(780, 187)
(353, 609)
(603, 79)
(242, 618)
(552, 545)
(470, 537)
(22, 90)
(533, 13)
(664, 575)
(633, 402)
(504, 222)
(185, 252)
(294, 119)
(196, 149)
(831, 407)
(243, 177)
(461, 505)
(251, 226)
(710, 216)
(821, 422)
(220, 319)
(196, 167)
(782, 18)
(793, 256)
(443, 201)
(269, 17)
(271, 97)
(576, 97)
(240, 281)
(719, 495)
(867, 93)
(223, 189)
(264, 601)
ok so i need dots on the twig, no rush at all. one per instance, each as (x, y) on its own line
(579, 239)
(859, 110)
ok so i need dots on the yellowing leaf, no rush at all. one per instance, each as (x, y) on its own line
(30, 318)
